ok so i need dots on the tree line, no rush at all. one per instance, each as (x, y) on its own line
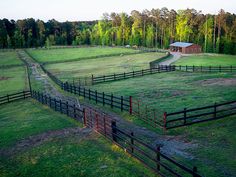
(154, 28)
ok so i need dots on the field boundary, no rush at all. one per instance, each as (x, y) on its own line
(120, 102)
(159, 69)
(132, 74)
(14, 97)
(105, 125)
(139, 51)
(199, 115)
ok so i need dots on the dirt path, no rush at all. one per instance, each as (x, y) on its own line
(174, 57)
(171, 145)
(36, 140)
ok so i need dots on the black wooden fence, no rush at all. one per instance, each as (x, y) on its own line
(205, 68)
(59, 105)
(198, 115)
(151, 157)
(120, 102)
(126, 75)
(15, 96)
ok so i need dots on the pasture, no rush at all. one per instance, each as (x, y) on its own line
(36, 141)
(62, 55)
(12, 80)
(104, 65)
(162, 91)
(9, 59)
(207, 60)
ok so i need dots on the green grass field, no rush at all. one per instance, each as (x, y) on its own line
(100, 66)
(9, 58)
(208, 60)
(87, 154)
(176, 90)
(60, 55)
(12, 80)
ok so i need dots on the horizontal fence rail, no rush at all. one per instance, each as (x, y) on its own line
(126, 75)
(205, 68)
(198, 115)
(151, 157)
(149, 115)
(59, 105)
(120, 102)
(15, 96)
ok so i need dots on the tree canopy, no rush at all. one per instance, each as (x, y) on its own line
(154, 28)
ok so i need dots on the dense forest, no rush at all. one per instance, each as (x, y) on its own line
(155, 28)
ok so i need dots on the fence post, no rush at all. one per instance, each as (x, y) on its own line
(185, 115)
(132, 141)
(111, 100)
(193, 68)
(194, 171)
(74, 109)
(55, 106)
(84, 111)
(130, 105)
(215, 110)
(104, 125)
(96, 96)
(122, 103)
(67, 108)
(103, 98)
(158, 157)
(92, 79)
(142, 72)
(89, 95)
(96, 117)
(50, 102)
(124, 75)
(133, 73)
(84, 92)
(164, 120)
(60, 106)
(114, 131)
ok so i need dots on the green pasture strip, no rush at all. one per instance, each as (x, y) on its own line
(101, 66)
(176, 90)
(13, 80)
(61, 55)
(74, 156)
(8, 59)
(207, 60)
(21, 119)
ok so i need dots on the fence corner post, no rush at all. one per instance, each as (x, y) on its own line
(195, 171)
(158, 149)
(114, 131)
(84, 111)
(130, 105)
(164, 121)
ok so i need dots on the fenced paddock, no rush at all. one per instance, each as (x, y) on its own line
(205, 68)
(151, 157)
(198, 115)
(126, 75)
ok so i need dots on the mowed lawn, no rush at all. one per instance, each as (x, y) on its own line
(101, 66)
(9, 58)
(208, 60)
(66, 154)
(13, 80)
(61, 55)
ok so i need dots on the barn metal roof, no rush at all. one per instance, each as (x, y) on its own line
(181, 44)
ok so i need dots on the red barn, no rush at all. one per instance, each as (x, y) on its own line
(185, 48)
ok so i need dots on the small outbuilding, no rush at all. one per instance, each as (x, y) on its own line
(185, 47)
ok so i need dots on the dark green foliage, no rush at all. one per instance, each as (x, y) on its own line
(155, 28)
